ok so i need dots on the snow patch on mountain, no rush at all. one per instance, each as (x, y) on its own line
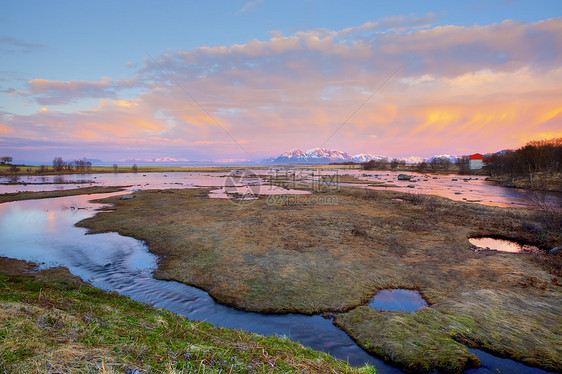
(325, 155)
(452, 159)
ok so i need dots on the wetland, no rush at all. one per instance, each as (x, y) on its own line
(301, 257)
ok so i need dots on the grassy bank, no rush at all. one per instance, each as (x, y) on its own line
(311, 255)
(540, 181)
(6, 197)
(52, 322)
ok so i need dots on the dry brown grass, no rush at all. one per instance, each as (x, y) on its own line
(312, 258)
(16, 196)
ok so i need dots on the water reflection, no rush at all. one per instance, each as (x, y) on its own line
(502, 245)
(455, 187)
(398, 300)
(496, 365)
(43, 231)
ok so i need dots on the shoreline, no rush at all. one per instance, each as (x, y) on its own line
(70, 325)
(226, 268)
(546, 184)
(31, 195)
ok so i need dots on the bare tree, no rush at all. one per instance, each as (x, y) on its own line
(135, 168)
(382, 164)
(115, 168)
(463, 163)
(58, 164)
(80, 165)
(434, 164)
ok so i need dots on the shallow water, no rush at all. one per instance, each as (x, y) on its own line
(43, 231)
(136, 180)
(455, 187)
(398, 300)
(502, 245)
(496, 365)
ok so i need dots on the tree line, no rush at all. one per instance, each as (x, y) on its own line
(436, 164)
(538, 156)
(80, 165)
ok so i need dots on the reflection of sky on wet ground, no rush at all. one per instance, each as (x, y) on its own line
(44, 231)
(455, 187)
(496, 365)
(136, 180)
(501, 245)
(398, 300)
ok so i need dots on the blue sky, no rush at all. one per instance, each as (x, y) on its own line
(106, 46)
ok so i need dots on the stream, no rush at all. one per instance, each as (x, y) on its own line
(43, 231)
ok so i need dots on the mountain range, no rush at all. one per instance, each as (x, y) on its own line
(324, 155)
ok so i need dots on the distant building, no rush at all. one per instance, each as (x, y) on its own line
(476, 161)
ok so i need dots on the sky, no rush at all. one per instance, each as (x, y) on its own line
(234, 81)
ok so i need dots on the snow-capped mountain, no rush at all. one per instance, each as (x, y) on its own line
(452, 159)
(365, 157)
(324, 155)
(412, 159)
(154, 160)
(312, 156)
(321, 156)
(328, 154)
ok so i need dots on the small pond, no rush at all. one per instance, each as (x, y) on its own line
(398, 300)
(502, 245)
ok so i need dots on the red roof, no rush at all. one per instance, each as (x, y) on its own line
(476, 156)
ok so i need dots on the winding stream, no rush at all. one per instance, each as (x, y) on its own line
(43, 231)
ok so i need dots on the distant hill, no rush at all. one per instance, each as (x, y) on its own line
(452, 159)
(326, 156)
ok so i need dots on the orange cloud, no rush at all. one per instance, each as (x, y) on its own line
(6, 129)
(463, 89)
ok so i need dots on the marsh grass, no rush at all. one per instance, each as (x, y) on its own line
(16, 196)
(52, 322)
(314, 258)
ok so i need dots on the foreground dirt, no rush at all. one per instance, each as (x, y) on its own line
(332, 252)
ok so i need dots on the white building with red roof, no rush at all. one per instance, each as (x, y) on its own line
(476, 161)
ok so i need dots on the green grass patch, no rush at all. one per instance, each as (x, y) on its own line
(56, 323)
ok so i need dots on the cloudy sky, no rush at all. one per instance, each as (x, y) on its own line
(230, 81)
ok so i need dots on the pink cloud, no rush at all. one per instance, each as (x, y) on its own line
(463, 89)
(52, 92)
